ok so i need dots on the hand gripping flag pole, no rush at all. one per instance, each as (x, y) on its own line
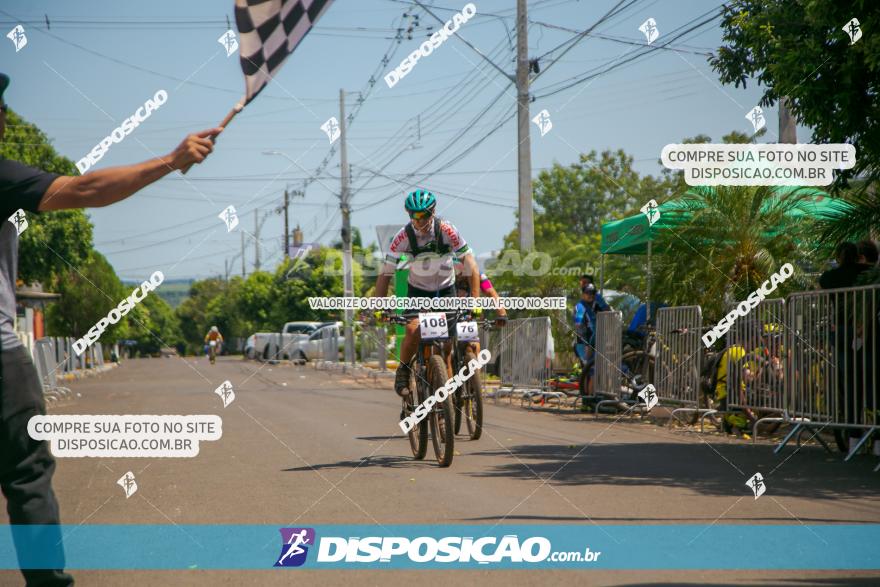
(269, 31)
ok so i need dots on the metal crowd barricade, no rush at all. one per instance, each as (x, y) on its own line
(330, 344)
(525, 367)
(756, 347)
(679, 356)
(609, 352)
(47, 369)
(833, 374)
(368, 344)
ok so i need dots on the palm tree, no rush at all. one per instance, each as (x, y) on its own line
(725, 241)
(855, 221)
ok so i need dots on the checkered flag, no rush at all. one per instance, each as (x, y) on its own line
(269, 30)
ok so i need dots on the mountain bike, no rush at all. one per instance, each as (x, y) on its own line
(430, 374)
(212, 351)
(468, 401)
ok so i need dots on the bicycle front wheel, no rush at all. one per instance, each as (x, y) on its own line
(418, 434)
(440, 418)
(472, 402)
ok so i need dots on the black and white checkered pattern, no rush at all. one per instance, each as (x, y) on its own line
(269, 31)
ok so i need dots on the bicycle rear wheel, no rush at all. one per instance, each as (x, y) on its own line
(418, 435)
(458, 409)
(440, 418)
(472, 402)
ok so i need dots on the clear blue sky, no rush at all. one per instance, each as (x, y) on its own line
(101, 60)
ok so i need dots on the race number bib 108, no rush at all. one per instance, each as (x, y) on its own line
(467, 332)
(433, 325)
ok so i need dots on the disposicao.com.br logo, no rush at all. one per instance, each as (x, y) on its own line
(397, 551)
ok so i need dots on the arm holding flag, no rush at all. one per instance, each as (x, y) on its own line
(103, 187)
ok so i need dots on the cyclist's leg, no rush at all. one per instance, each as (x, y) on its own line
(410, 342)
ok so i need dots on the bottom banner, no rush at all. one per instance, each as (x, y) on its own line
(442, 547)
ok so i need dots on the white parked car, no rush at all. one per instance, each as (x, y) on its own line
(312, 348)
(249, 350)
(271, 345)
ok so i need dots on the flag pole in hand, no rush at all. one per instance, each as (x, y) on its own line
(235, 110)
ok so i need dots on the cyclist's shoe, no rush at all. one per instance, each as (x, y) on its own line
(401, 380)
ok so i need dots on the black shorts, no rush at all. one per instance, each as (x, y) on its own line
(414, 292)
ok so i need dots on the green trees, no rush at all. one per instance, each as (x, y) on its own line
(88, 292)
(572, 204)
(726, 241)
(54, 241)
(799, 50)
(265, 301)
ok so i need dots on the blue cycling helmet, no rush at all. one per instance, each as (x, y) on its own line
(420, 201)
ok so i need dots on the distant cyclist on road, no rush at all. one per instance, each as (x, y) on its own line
(430, 242)
(213, 334)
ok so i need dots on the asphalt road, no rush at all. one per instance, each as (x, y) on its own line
(306, 447)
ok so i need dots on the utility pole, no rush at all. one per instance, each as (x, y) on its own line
(524, 165)
(242, 254)
(787, 123)
(521, 79)
(348, 282)
(288, 194)
(286, 229)
(257, 239)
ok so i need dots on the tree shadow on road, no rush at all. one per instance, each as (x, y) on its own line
(387, 462)
(707, 468)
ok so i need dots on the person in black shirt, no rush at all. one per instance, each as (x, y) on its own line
(847, 338)
(848, 268)
(26, 465)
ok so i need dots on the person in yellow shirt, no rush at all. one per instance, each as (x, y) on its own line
(215, 336)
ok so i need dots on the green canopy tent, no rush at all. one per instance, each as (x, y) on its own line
(634, 236)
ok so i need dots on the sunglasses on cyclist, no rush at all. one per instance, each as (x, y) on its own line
(421, 215)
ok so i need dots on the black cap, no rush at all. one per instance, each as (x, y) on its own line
(4, 83)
